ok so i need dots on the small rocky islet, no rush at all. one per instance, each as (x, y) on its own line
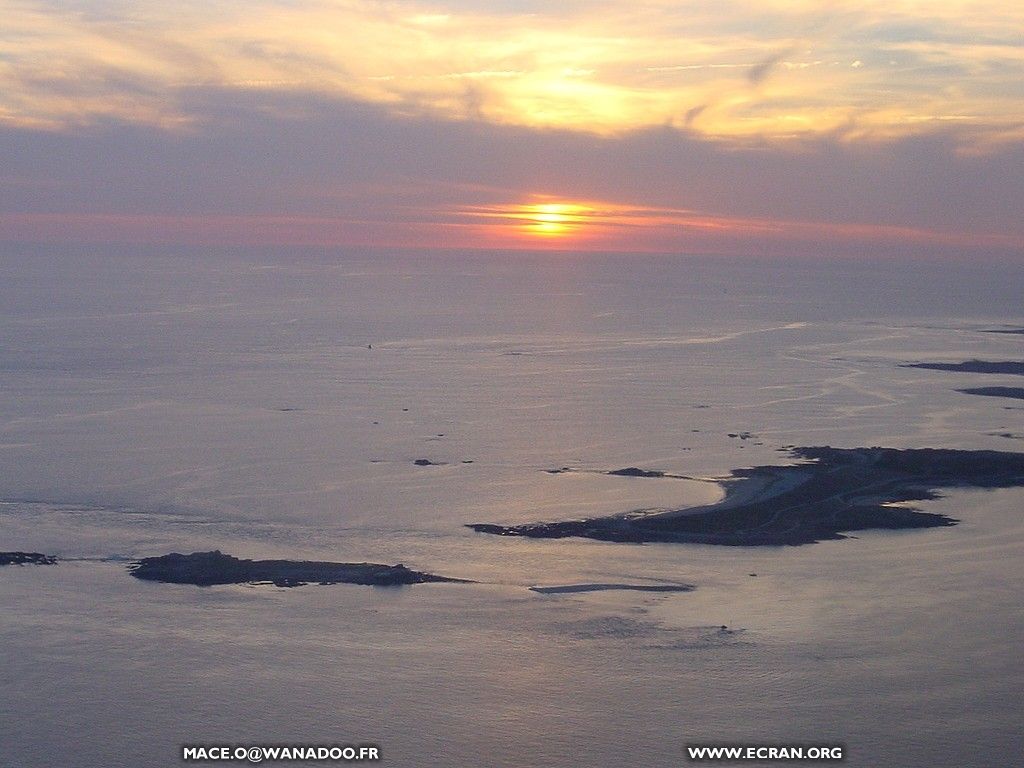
(1007, 367)
(1015, 393)
(26, 558)
(209, 568)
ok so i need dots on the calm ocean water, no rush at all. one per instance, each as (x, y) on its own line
(273, 406)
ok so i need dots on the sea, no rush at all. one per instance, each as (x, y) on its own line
(272, 404)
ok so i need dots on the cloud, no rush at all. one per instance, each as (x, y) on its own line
(601, 67)
(326, 172)
(782, 122)
(760, 71)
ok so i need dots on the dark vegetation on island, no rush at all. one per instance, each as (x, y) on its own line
(1017, 393)
(26, 558)
(832, 492)
(1013, 367)
(208, 568)
(1005, 330)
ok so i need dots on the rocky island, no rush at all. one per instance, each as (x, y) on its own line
(831, 492)
(1011, 367)
(1016, 393)
(26, 558)
(208, 568)
(636, 472)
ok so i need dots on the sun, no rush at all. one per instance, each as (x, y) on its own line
(542, 218)
(552, 219)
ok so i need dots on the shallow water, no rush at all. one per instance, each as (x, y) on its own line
(175, 403)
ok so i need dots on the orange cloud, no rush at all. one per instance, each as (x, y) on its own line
(869, 69)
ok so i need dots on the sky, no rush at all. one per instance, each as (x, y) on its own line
(741, 127)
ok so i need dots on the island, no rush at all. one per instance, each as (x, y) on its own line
(636, 472)
(205, 569)
(26, 558)
(829, 492)
(1011, 367)
(1016, 393)
(624, 472)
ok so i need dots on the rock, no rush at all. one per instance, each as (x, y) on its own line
(637, 472)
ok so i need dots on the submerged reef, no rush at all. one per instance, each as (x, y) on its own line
(207, 568)
(832, 491)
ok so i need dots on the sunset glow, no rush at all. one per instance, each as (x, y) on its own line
(479, 123)
(543, 221)
(549, 220)
(553, 219)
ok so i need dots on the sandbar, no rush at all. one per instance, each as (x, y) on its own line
(567, 589)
